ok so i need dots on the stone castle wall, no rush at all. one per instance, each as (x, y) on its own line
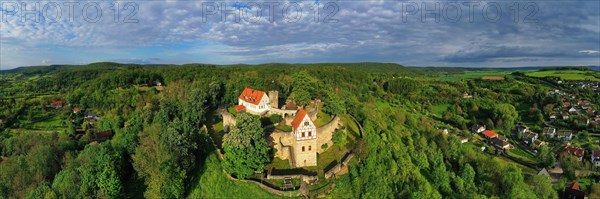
(325, 133)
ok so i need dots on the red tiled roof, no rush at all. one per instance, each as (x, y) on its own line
(298, 119)
(575, 186)
(239, 107)
(56, 103)
(579, 152)
(490, 134)
(76, 110)
(252, 96)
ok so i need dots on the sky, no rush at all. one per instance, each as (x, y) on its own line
(413, 33)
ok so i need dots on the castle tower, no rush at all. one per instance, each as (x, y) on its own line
(274, 98)
(305, 140)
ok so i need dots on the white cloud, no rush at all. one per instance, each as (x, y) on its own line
(589, 52)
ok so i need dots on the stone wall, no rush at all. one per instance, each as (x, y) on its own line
(325, 133)
(228, 119)
(337, 168)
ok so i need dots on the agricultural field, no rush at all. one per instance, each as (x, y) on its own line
(565, 74)
(470, 75)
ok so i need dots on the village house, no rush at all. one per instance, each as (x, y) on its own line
(544, 172)
(596, 158)
(574, 151)
(538, 143)
(476, 128)
(467, 96)
(522, 129)
(574, 191)
(565, 116)
(489, 134)
(76, 110)
(92, 116)
(499, 143)
(565, 135)
(55, 104)
(584, 121)
(463, 139)
(254, 101)
(566, 104)
(530, 137)
(549, 131)
(553, 117)
(573, 110)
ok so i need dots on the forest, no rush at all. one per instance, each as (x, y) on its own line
(158, 148)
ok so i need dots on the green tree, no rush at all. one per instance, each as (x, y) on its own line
(505, 115)
(542, 187)
(246, 149)
(545, 157)
(302, 88)
(333, 104)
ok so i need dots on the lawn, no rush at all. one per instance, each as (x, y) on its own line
(283, 127)
(322, 118)
(440, 109)
(351, 127)
(49, 121)
(232, 110)
(279, 164)
(212, 182)
(334, 153)
(523, 155)
(564, 74)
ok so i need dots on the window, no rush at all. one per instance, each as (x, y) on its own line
(302, 148)
(306, 123)
(303, 134)
(309, 148)
(309, 134)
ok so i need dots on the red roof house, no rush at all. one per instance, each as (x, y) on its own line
(252, 96)
(56, 104)
(76, 110)
(578, 152)
(574, 192)
(490, 134)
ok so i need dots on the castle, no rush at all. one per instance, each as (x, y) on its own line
(300, 146)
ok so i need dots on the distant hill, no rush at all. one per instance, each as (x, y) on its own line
(363, 66)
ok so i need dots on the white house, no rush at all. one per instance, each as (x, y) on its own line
(549, 131)
(255, 101)
(522, 129)
(529, 137)
(596, 158)
(476, 128)
(565, 135)
(572, 110)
